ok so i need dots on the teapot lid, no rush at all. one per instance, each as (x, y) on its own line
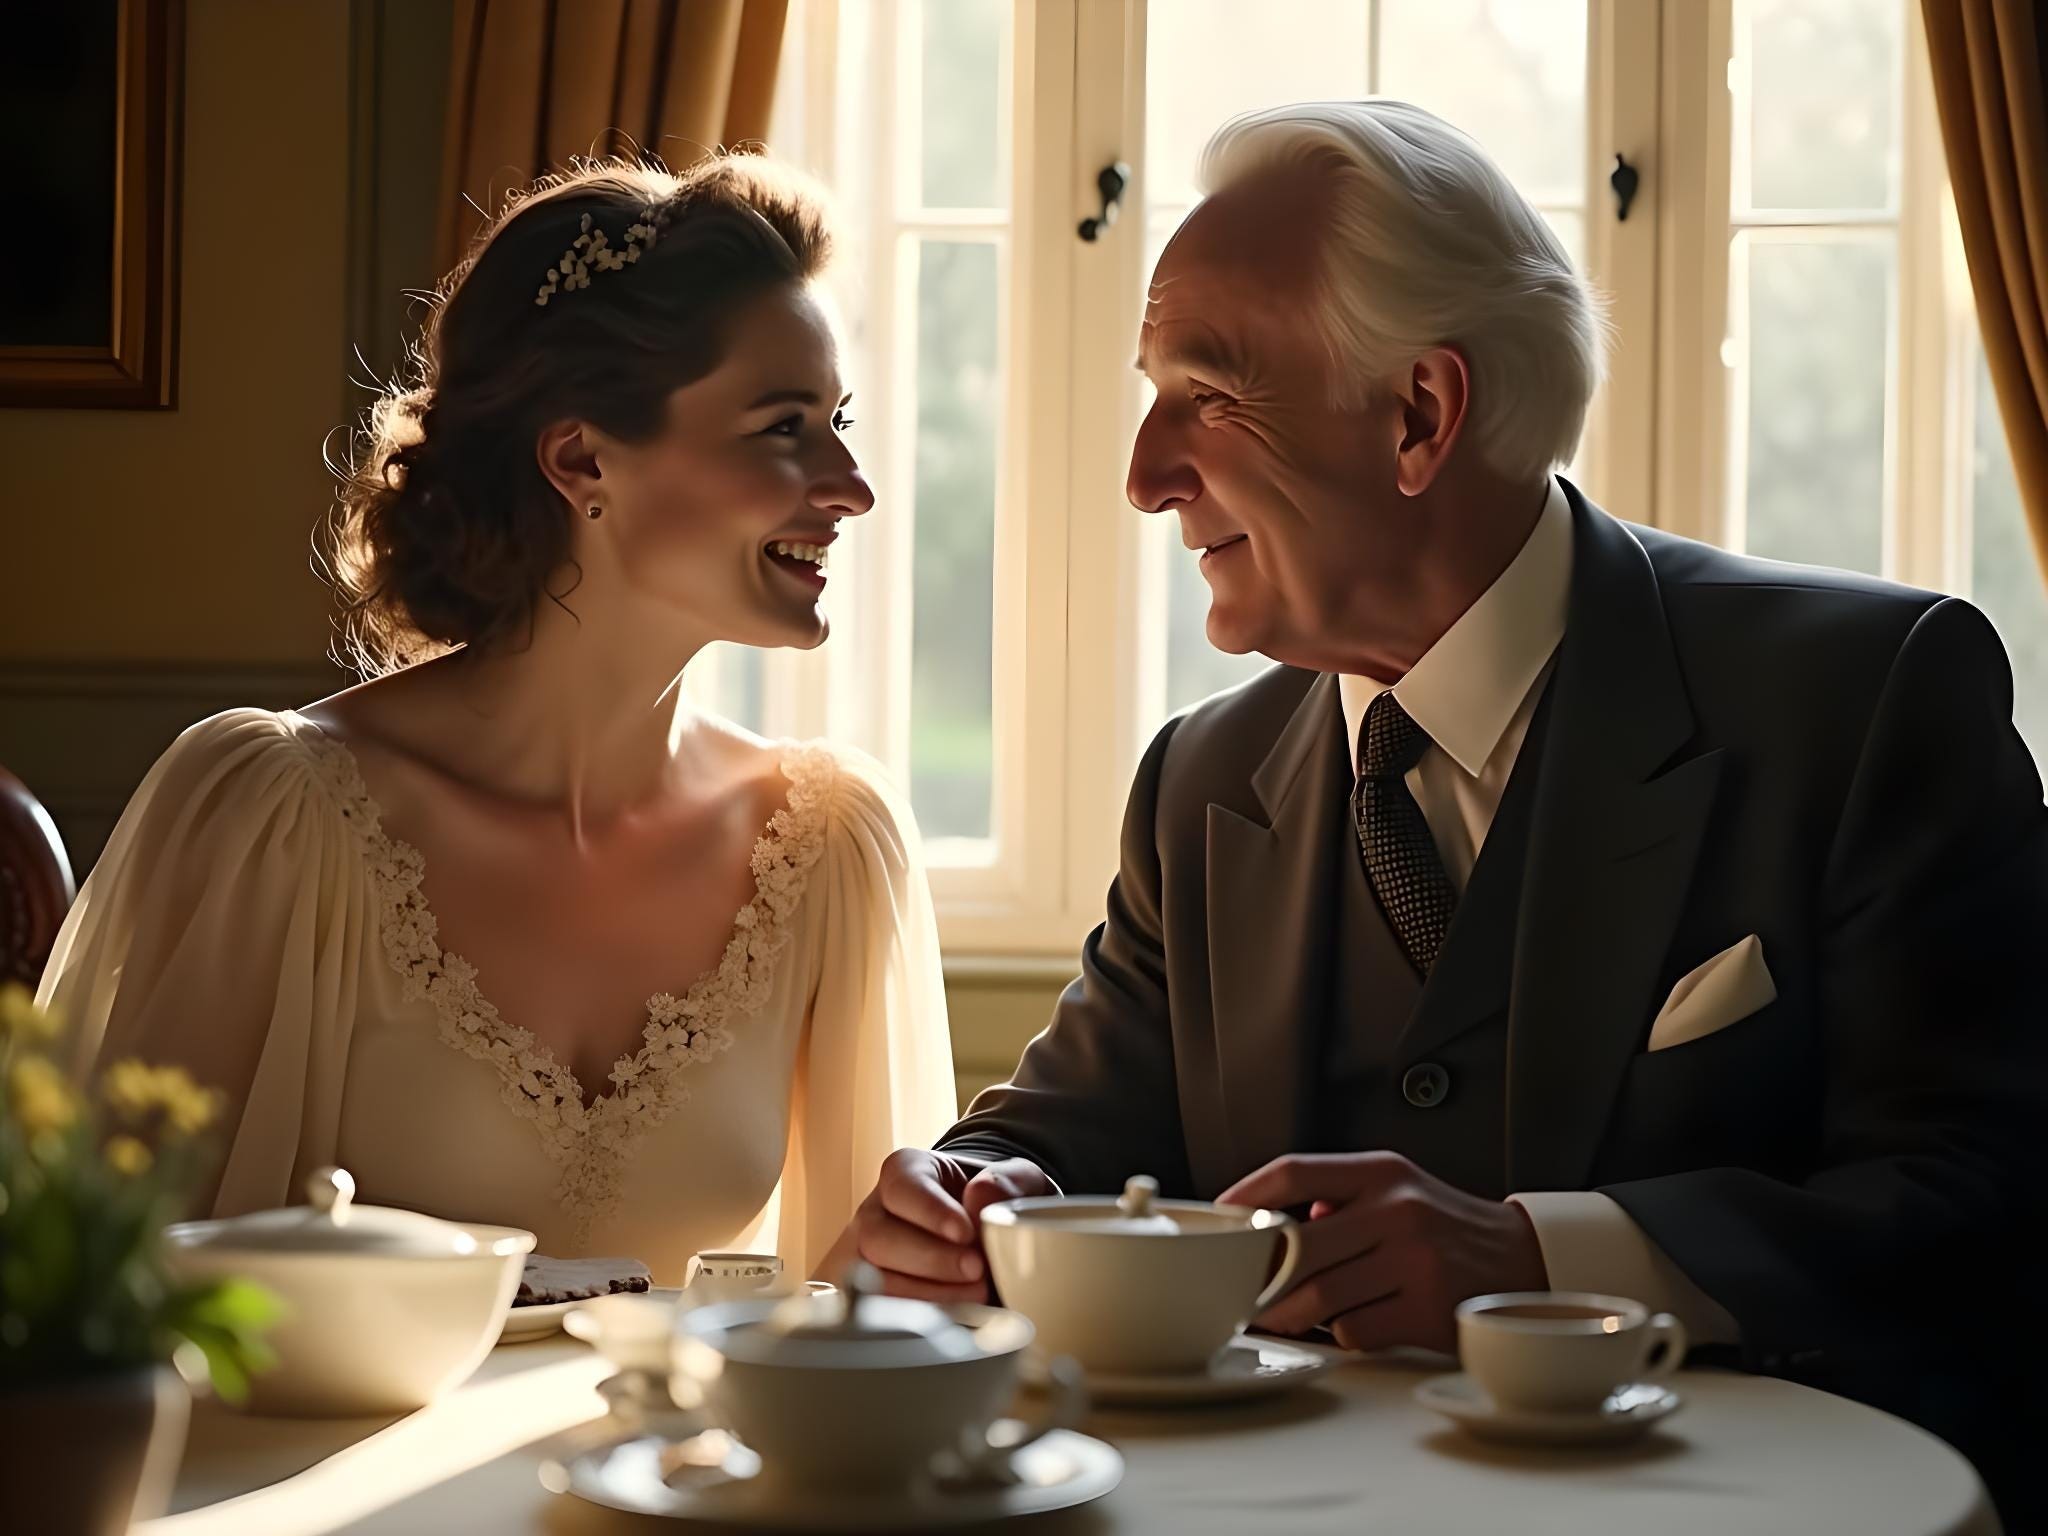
(332, 1223)
(1136, 1212)
(858, 1327)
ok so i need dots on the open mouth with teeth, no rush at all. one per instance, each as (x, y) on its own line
(1223, 544)
(800, 559)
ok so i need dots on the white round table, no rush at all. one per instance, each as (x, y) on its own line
(1353, 1453)
(1357, 1453)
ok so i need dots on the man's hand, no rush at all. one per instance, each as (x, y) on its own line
(1389, 1251)
(922, 1225)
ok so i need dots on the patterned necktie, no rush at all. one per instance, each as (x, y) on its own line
(1401, 861)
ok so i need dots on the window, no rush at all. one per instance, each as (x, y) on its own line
(1813, 268)
(903, 107)
(1796, 370)
(1859, 429)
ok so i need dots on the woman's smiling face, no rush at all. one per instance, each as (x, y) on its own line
(727, 512)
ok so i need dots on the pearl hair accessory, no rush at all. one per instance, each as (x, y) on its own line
(592, 248)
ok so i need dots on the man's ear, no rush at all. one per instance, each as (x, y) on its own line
(1435, 400)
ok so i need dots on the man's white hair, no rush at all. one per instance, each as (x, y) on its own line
(1429, 245)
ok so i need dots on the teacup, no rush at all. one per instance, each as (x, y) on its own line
(631, 1331)
(1564, 1351)
(717, 1277)
(863, 1391)
(1138, 1286)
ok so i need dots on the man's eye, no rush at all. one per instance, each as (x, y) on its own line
(789, 426)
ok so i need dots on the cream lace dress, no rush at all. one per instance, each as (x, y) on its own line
(251, 920)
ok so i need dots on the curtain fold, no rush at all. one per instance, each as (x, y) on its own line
(1990, 61)
(536, 82)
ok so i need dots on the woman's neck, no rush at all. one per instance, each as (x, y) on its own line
(589, 717)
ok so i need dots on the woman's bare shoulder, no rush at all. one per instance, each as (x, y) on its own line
(397, 711)
(748, 765)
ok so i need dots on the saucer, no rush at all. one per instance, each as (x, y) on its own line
(1245, 1367)
(523, 1325)
(1630, 1412)
(1058, 1472)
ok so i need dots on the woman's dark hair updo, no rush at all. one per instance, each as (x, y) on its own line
(445, 531)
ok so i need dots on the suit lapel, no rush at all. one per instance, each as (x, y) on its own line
(1620, 809)
(1271, 909)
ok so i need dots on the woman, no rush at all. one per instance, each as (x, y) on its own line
(442, 928)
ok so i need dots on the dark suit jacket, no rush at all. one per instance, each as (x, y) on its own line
(1733, 747)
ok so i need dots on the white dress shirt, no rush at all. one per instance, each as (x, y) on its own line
(1474, 692)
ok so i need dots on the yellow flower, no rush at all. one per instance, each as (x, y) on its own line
(21, 1019)
(130, 1087)
(134, 1089)
(126, 1155)
(190, 1107)
(41, 1099)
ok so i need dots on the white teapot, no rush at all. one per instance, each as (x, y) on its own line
(861, 1390)
(383, 1309)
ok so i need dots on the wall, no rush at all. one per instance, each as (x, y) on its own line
(180, 535)
(154, 565)
(995, 1007)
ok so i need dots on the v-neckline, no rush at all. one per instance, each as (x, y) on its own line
(677, 1032)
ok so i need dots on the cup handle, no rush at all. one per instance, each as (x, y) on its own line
(1290, 1232)
(1663, 1348)
(982, 1460)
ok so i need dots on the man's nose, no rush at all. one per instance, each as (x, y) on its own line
(1162, 475)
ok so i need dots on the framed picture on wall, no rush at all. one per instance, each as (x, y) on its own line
(90, 109)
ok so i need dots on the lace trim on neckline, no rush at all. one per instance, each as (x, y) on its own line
(588, 1142)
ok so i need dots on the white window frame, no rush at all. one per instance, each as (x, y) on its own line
(1006, 895)
(1926, 534)
(1076, 660)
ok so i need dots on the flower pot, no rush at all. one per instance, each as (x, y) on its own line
(89, 1456)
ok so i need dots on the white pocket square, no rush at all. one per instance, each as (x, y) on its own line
(1728, 988)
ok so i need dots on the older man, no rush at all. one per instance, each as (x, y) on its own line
(1575, 905)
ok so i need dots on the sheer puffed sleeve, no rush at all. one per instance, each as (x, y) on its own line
(222, 931)
(876, 1070)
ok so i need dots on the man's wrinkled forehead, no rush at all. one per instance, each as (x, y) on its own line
(1250, 251)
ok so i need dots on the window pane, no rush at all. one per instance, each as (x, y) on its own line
(1208, 60)
(1818, 322)
(727, 680)
(1512, 73)
(957, 416)
(2005, 577)
(1570, 229)
(963, 95)
(1824, 92)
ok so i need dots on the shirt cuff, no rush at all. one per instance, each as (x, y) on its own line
(1589, 1243)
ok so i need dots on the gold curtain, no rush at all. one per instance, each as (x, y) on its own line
(1991, 88)
(534, 82)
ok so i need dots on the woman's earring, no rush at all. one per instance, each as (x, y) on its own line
(596, 511)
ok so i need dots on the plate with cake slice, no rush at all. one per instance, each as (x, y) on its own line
(550, 1287)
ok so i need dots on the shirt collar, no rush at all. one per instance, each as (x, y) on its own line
(1467, 687)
